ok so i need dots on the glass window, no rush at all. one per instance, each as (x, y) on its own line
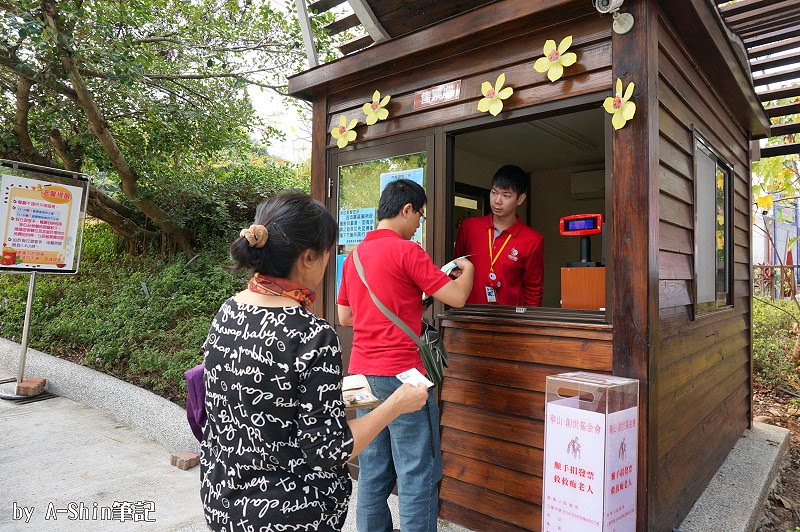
(713, 244)
(360, 187)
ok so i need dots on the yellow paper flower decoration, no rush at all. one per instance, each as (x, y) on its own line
(620, 106)
(375, 109)
(344, 133)
(764, 203)
(555, 59)
(493, 97)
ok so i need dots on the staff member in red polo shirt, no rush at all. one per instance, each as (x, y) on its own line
(398, 271)
(508, 255)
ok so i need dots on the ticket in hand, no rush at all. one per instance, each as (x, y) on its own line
(413, 376)
(450, 266)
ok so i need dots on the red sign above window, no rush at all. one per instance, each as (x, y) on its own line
(439, 94)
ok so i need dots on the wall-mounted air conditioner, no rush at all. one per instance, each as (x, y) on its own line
(588, 185)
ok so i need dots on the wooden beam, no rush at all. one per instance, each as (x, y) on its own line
(766, 79)
(634, 223)
(744, 6)
(773, 48)
(369, 20)
(779, 94)
(779, 130)
(320, 6)
(764, 13)
(338, 26)
(774, 36)
(774, 62)
(788, 20)
(782, 149)
(768, 24)
(308, 35)
(356, 44)
(783, 110)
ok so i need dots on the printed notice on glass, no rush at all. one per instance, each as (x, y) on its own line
(40, 224)
(354, 225)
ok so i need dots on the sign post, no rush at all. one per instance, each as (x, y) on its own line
(42, 212)
(590, 454)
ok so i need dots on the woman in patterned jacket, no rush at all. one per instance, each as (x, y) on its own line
(276, 443)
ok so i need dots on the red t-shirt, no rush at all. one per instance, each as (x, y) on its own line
(398, 271)
(520, 261)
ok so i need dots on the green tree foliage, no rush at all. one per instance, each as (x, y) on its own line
(149, 93)
(777, 179)
(143, 318)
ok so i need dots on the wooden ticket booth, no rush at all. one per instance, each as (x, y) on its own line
(672, 185)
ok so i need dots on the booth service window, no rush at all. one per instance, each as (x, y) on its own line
(713, 218)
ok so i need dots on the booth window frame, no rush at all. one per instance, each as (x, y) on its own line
(544, 110)
(723, 288)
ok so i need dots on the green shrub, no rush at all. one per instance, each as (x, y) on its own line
(103, 318)
(772, 341)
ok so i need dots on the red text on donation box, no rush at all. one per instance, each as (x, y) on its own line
(591, 432)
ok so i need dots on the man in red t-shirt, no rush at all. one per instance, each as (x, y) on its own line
(508, 255)
(398, 272)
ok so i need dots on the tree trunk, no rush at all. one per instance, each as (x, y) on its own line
(97, 124)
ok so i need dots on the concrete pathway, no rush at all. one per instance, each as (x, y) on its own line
(66, 466)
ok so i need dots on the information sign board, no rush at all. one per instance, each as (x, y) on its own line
(41, 222)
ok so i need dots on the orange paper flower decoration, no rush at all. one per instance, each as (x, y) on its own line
(375, 109)
(620, 106)
(344, 133)
(555, 59)
(493, 97)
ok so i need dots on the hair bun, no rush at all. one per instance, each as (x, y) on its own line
(256, 235)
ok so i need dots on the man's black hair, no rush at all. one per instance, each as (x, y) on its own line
(399, 193)
(511, 177)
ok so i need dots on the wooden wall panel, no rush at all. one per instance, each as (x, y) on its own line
(493, 405)
(524, 514)
(531, 348)
(703, 364)
(473, 66)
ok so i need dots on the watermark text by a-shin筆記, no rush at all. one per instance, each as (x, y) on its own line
(122, 511)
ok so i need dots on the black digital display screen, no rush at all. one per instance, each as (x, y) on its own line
(580, 224)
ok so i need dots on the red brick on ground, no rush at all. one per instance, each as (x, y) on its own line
(31, 387)
(184, 460)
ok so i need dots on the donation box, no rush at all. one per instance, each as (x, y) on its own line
(590, 439)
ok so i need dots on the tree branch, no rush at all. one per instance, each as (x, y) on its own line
(21, 115)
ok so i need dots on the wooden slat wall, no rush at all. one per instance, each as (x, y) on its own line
(702, 365)
(493, 415)
(473, 62)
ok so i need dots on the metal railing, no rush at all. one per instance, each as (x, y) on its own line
(775, 281)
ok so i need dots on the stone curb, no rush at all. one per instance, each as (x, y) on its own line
(162, 420)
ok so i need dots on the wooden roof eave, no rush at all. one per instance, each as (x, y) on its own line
(722, 62)
(304, 84)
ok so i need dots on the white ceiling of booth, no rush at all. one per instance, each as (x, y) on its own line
(569, 140)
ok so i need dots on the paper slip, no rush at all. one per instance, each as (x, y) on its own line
(413, 376)
(450, 266)
(448, 269)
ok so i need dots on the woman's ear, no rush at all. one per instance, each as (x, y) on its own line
(307, 258)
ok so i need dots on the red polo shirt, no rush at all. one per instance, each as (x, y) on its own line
(398, 271)
(520, 261)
